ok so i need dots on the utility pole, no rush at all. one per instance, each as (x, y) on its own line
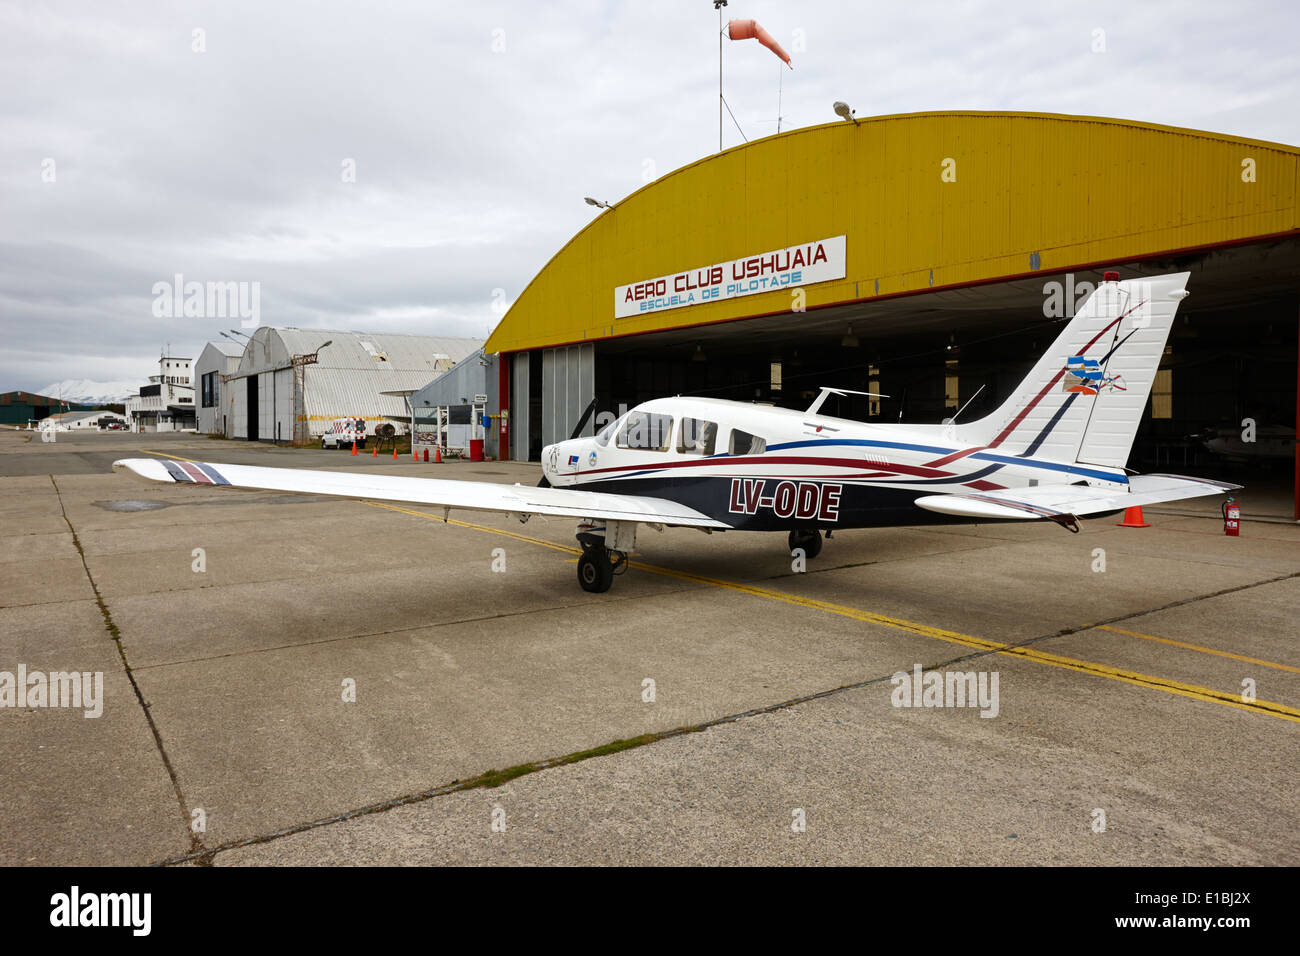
(301, 431)
(718, 5)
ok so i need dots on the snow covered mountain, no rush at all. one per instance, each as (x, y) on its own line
(85, 392)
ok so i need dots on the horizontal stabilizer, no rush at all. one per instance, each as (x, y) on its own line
(461, 495)
(1064, 501)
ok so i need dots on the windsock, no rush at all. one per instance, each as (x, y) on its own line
(750, 30)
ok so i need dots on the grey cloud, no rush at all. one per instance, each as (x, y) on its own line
(472, 164)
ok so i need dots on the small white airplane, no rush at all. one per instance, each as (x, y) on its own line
(1055, 450)
(1275, 442)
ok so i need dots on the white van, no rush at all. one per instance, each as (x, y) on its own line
(342, 432)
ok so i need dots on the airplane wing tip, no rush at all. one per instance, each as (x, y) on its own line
(149, 469)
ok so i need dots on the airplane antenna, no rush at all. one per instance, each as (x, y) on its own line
(780, 77)
(827, 391)
(953, 420)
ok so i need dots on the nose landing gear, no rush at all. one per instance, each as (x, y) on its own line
(809, 540)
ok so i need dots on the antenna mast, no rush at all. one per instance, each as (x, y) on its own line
(718, 5)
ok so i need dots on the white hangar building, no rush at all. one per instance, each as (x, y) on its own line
(291, 383)
(217, 359)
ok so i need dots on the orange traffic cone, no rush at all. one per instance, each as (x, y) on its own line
(375, 453)
(437, 453)
(394, 453)
(1133, 518)
(354, 448)
(415, 454)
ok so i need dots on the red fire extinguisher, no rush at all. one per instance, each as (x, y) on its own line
(1231, 517)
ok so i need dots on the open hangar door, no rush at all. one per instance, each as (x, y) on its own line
(1232, 357)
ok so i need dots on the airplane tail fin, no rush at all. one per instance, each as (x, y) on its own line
(1084, 399)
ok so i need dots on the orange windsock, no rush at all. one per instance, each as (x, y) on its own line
(750, 30)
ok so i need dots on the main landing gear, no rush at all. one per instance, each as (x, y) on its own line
(598, 564)
(810, 541)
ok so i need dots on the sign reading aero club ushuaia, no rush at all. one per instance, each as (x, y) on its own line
(785, 268)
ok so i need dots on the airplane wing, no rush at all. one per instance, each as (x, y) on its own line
(1063, 503)
(462, 495)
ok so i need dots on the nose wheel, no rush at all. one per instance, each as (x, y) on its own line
(810, 541)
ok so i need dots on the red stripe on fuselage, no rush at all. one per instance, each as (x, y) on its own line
(948, 459)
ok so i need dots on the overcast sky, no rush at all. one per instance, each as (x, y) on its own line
(476, 129)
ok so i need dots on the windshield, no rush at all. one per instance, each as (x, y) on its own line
(605, 434)
(645, 431)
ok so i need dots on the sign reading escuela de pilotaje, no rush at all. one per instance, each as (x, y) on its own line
(804, 264)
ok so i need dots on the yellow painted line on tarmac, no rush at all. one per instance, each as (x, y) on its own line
(1167, 685)
(1203, 650)
(163, 454)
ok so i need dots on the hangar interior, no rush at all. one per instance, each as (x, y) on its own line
(947, 296)
(1232, 355)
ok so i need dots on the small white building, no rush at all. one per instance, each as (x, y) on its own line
(167, 403)
(291, 383)
(217, 360)
(85, 421)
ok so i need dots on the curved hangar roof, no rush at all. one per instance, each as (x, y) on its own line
(925, 200)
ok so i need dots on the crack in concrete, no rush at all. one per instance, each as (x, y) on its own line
(196, 844)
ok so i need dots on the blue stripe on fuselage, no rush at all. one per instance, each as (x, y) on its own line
(860, 441)
(1054, 466)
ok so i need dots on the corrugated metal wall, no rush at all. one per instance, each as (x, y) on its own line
(568, 384)
(266, 406)
(331, 393)
(353, 371)
(458, 386)
(236, 392)
(284, 405)
(1073, 190)
(519, 402)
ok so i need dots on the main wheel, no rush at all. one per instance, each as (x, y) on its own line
(595, 572)
(810, 541)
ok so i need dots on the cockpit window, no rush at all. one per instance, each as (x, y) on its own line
(646, 431)
(743, 443)
(605, 434)
(697, 437)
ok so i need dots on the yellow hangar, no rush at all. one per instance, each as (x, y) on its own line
(929, 257)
